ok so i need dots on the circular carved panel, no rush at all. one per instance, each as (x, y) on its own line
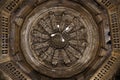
(55, 34)
(59, 40)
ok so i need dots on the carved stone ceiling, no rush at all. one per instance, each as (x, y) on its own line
(59, 39)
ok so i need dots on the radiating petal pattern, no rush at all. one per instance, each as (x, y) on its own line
(59, 39)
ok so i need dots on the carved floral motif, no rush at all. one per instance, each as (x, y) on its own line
(59, 38)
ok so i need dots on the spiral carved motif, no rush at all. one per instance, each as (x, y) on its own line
(59, 39)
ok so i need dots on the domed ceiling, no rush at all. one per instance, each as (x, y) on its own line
(59, 39)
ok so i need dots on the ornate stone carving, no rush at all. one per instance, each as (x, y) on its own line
(58, 38)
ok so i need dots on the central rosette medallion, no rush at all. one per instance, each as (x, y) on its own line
(58, 38)
(57, 41)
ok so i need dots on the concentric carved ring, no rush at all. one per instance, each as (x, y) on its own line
(54, 36)
(59, 40)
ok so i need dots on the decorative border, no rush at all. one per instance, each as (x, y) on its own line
(12, 5)
(7, 65)
(105, 70)
(114, 22)
(13, 72)
(4, 23)
(112, 63)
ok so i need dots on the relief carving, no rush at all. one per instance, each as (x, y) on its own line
(59, 38)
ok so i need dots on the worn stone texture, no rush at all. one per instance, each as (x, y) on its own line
(59, 39)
